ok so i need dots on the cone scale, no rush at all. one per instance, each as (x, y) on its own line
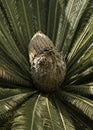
(48, 68)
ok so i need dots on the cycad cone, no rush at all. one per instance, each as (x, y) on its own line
(47, 66)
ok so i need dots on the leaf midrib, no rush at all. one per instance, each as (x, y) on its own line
(33, 114)
(47, 103)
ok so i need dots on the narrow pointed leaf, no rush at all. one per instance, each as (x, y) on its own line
(7, 105)
(82, 104)
(42, 113)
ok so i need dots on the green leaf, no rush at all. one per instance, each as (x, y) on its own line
(83, 43)
(10, 76)
(51, 17)
(80, 103)
(79, 121)
(13, 65)
(7, 105)
(73, 13)
(42, 112)
(69, 24)
(10, 48)
(62, 6)
(8, 92)
(10, 9)
(55, 19)
(32, 16)
(84, 89)
(84, 77)
(40, 11)
(83, 63)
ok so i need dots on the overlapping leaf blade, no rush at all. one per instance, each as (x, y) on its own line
(69, 24)
(82, 104)
(42, 113)
(13, 64)
(73, 13)
(7, 105)
(79, 119)
(10, 9)
(7, 92)
(84, 89)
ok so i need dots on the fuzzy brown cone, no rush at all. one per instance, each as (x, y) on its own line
(47, 65)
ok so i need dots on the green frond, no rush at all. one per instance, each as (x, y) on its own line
(10, 10)
(79, 121)
(62, 6)
(10, 76)
(8, 92)
(73, 13)
(52, 18)
(80, 68)
(81, 78)
(13, 65)
(39, 112)
(80, 103)
(69, 24)
(64, 115)
(55, 19)
(7, 105)
(10, 48)
(83, 63)
(21, 18)
(84, 89)
(82, 43)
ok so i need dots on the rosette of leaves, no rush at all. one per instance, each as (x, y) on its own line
(69, 25)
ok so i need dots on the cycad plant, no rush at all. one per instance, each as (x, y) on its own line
(69, 25)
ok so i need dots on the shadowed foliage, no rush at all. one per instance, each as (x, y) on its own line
(69, 24)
